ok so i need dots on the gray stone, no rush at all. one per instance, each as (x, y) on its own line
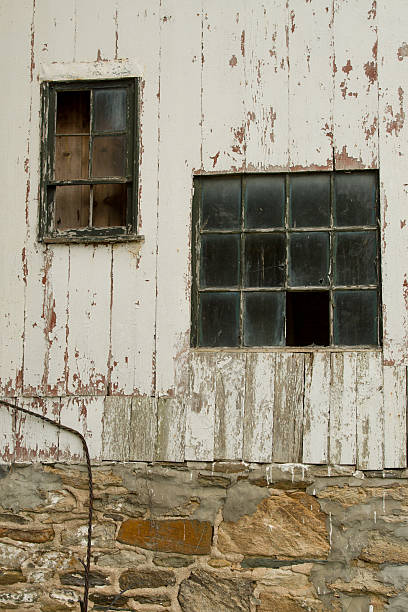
(207, 591)
(115, 601)
(25, 488)
(120, 558)
(8, 517)
(173, 561)
(12, 556)
(17, 598)
(157, 600)
(396, 575)
(103, 535)
(243, 498)
(77, 579)
(252, 562)
(398, 604)
(146, 579)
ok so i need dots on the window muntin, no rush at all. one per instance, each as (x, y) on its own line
(89, 154)
(286, 260)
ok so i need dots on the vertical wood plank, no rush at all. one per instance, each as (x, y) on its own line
(143, 428)
(266, 86)
(7, 427)
(395, 416)
(393, 147)
(89, 319)
(34, 439)
(310, 85)
(116, 428)
(134, 265)
(343, 406)
(316, 408)
(288, 408)
(370, 411)
(223, 82)
(259, 407)
(229, 405)
(84, 414)
(94, 16)
(356, 85)
(200, 414)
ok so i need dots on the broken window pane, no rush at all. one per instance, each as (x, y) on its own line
(219, 319)
(307, 318)
(264, 201)
(309, 200)
(109, 156)
(355, 318)
(221, 203)
(110, 110)
(73, 112)
(265, 260)
(71, 157)
(219, 260)
(308, 259)
(109, 205)
(355, 198)
(71, 206)
(355, 258)
(264, 318)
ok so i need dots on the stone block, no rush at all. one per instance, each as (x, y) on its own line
(77, 579)
(155, 600)
(14, 599)
(173, 561)
(9, 576)
(208, 591)
(181, 536)
(104, 600)
(35, 536)
(146, 579)
(120, 558)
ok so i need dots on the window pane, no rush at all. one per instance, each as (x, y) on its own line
(73, 112)
(355, 198)
(309, 200)
(71, 157)
(110, 110)
(355, 258)
(219, 319)
(308, 259)
(221, 203)
(71, 207)
(219, 260)
(264, 318)
(355, 317)
(307, 318)
(109, 205)
(265, 256)
(264, 201)
(109, 153)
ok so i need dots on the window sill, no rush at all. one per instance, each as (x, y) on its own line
(287, 349)
(88, 239)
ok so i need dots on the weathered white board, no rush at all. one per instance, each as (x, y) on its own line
(266, 79)
(84, 414)
(36, 440)
(310, 85)
(395, 417)
(230, 381)
(316, 408)
(370, 411)
(355, 85)
(116, 428)
(200, 412)
(343, 408)
(143, 429)
(7, 426)
(259, 407)
(98, 17)
(288, 408)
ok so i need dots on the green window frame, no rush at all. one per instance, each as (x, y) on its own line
(89, 161)
(286, 259)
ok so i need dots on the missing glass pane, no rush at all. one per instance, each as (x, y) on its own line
(73, 112)
(71, 207)
(109, 205)
(307, 318)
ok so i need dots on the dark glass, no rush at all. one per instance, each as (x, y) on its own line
(309, 203)
(264, 201)
(219, 260)
(308, 259)
(71, 157)
(355, 258)
(355, 198)
(219, 319)
(109, 156)
(109, 205)
(355, 318)
(265, 256)
(264, 318)
(221, 202)
(73, 112)
(110, 110)
(307, 318)
(71, 206)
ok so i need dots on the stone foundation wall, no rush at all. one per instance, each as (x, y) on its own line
(205, 538)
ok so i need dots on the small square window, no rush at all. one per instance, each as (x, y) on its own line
(89, 161)
(286, 260)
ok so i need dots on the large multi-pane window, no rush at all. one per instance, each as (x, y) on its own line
(286, 259)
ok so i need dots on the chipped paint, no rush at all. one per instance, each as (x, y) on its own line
(370, 69)
(233, 61)
(402, 51)
(397, 122)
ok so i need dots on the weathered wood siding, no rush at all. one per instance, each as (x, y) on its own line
(99, 335)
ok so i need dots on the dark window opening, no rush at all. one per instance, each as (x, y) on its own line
(307, 318)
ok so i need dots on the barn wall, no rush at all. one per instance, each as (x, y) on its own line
(98, 336)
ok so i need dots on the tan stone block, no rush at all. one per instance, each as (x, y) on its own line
(385, 549)
(272, 602)
(219, 563)
(189, 537)
(364, 581)
(36, 536)
(349, 496)
(285, 526)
